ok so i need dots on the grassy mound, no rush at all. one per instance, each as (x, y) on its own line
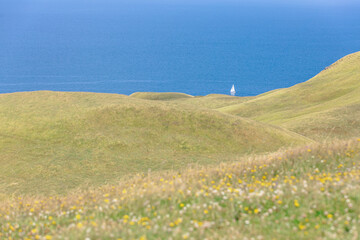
(315, 108)
(165, 96)
(213, 101)
(56, 141)
(305, 193)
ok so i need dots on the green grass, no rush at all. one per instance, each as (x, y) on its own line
(213, 101)
(303, 193)
(160, 96)
(315, 108)
(53, 141)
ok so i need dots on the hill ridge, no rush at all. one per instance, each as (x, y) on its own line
(336, 87)
(71, 139)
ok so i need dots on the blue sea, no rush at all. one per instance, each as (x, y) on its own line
(196, 47)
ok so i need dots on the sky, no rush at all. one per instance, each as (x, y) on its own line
(285, 2)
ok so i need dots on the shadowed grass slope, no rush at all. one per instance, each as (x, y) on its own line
(160, 96)
(56, 141)
(325, 106)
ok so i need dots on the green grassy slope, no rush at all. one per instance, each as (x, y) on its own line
(316, 108)
(213, 101)
(160, 96)
(56, 141)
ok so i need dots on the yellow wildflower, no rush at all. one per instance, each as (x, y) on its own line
(185, 236)
(302, 226)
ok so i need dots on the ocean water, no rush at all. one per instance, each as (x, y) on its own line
(195, 47)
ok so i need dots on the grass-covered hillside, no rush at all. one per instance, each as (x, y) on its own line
(160, 96)
(53, 141)
(326, 106)
(211, 101)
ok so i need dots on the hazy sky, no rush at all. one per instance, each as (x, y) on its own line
(8, 6)
(286, 2)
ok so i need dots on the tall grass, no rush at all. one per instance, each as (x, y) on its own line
(300, 193)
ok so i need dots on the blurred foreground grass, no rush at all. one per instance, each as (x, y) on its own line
(302, 193)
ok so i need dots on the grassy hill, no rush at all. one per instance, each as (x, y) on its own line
(160, 96)
(326, 106)
(211, 101)
(56, 141)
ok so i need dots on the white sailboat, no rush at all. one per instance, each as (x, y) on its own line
(232, 91)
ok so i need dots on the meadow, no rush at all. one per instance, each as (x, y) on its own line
(302, 193)
(53, 142)
(281, 165)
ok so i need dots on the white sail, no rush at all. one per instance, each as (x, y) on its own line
(232, 91)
